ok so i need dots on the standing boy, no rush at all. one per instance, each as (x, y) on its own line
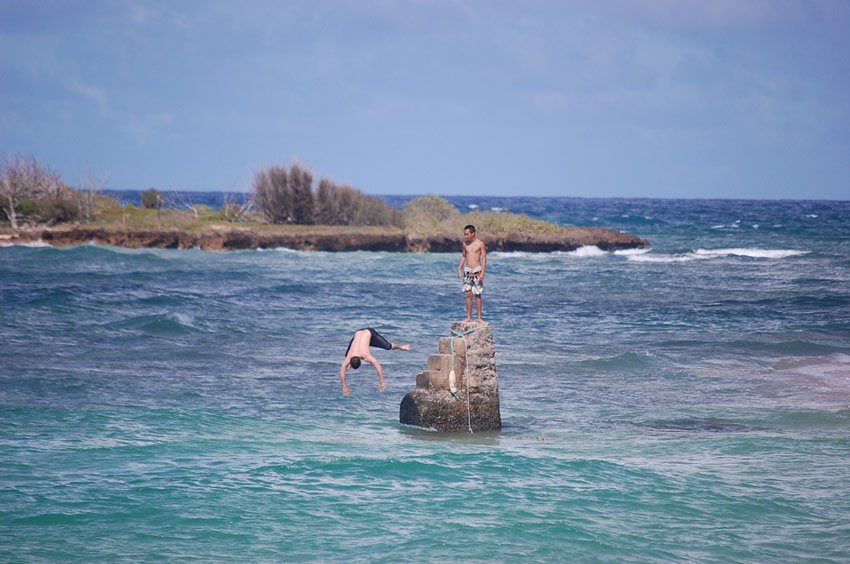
(473, 262)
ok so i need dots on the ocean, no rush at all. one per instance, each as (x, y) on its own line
(690, 401)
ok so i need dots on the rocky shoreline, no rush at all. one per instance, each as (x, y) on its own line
(318, 239)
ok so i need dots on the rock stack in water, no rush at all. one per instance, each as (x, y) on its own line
(470, 352)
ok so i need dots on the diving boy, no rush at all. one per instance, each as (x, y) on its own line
(359, 350)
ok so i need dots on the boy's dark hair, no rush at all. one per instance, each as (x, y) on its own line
(470, 227)
(355, 362)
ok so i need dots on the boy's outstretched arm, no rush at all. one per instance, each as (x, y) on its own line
(342, 370)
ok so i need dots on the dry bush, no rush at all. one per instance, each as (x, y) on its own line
(301, 192)
(273, 195)
(344, 205)
(235, 212)
(283, 196)
(88, 194)
(32, 191)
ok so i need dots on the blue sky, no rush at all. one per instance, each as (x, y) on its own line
(640, 98)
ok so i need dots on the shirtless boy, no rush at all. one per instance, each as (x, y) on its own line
(473, 262)
(358, 350)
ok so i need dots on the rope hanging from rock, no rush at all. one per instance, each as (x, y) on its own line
(432, 406)
(452, 387)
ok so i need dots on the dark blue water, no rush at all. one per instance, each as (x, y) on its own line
(690, 402)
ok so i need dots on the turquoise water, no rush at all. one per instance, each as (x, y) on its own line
(690, 402)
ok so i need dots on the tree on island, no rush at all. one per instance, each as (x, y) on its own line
(30, 191)
(283, 196)
(153, 199)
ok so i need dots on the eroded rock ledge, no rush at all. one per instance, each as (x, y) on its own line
(322, 239)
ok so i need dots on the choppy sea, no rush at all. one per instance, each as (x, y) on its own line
(686, 402)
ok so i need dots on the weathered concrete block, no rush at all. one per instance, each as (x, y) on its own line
(422, 381)
(440, 362)
(445, 347)
(432, 406)
(438, 380)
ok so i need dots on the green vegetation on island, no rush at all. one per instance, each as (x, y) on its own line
(284, 208)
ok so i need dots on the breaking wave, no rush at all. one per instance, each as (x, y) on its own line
(707, 254)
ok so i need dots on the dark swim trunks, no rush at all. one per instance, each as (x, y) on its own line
(377, 340)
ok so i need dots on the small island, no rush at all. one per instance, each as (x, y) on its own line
(316, 238)
(285, 210)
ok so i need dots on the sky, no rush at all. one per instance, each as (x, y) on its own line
(596, 98)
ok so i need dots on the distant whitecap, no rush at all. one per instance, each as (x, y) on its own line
(751, 253)
(708, 254)
(588, 251)
(631, 252)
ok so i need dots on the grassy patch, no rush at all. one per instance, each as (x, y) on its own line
(431, 215)
(426, 216)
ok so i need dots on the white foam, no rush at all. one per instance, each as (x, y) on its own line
(32, 244)
(751, 253)
(587, 251)
(663, 259)
(472, 206)
(509, 254)
(631, 252)
(184, 319)
(811, 216)
(708, 254)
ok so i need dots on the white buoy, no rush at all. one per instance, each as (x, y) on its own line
(452, 381)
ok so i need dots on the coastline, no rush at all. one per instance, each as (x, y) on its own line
(319, 238)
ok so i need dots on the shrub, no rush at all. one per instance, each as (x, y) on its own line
(53, 210)
(152, 199)
(60, 210)
(273, 195)
(24, 178)
(284, 196)
(29, 210)
(505, 223)
(301, 193)
(344, 205)
(431, 214)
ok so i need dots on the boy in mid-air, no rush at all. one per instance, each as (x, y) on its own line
(473, 262)
(359, 350)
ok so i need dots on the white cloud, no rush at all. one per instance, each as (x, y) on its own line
(142, 128)
(89, 91)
